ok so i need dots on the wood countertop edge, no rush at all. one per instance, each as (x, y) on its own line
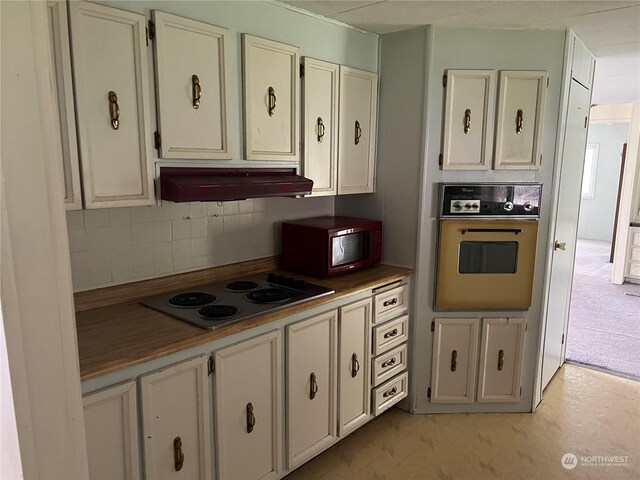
(100, 368)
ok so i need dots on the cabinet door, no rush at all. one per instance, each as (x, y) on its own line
(112, 105)
(271, 100)
(311, 387)
(520, 120)
(468, 120)
(111, 426)
(61, 56)
(175, 421)
(501, 359)
(455, 349)
(357, 127)
(249, 408)
(320, 113)
(191, 88)
(354, 388)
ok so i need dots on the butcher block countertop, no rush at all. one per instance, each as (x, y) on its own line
(115, 332)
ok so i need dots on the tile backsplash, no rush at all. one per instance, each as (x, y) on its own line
(120, 245)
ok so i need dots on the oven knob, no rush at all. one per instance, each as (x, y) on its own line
(475, 206)
(467, 206)
(457, 206)
(528, 206)
(508, 206)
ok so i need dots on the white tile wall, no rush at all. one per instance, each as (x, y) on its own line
(121, 245)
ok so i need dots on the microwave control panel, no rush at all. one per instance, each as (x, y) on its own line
(487, 200)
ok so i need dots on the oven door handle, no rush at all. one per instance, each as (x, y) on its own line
(515, 231)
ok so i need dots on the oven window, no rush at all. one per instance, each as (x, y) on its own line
(347, 248)
(488, 257)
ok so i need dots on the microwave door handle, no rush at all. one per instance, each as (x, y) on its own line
(515, 231)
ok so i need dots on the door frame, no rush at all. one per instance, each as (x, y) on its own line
(618, 197)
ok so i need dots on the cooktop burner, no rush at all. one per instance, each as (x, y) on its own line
(212, 306)
(191, 299)
(269, 295)
(215, 312)
(242, 286)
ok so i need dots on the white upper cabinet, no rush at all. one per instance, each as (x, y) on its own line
(112, 105)
(271, 100)
(468, 124)
(191, 88)
(520, 120)
(61, 57)
(357, 131)
(320, 89)
(583, 64)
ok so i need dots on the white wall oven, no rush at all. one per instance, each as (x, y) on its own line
(487, 246)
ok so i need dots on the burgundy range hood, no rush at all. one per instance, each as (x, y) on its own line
(224, 184)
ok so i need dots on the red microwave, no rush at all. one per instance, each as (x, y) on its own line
(325, 246)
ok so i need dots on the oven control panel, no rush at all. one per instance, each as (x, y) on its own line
(515, 200)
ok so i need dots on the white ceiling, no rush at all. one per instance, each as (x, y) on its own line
(611, 29)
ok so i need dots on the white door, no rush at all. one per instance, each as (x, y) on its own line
(354, 388)
(111, 426)
(566, 230)
(112, 105)
(311, 386)
(191, 88)
(175, 422)
(249, 408)
(271, 100)
(320, 89)
(582, 64)
(455, 351)
(468, 119)
(357, 131)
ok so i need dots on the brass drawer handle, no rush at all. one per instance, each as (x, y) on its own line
(355, 365)
(320, 130)
(390, 393)
(390, 302)
(178, 455)
(519, 121)
(114, 110)
(251, 418)
(388, 363)
(358, 132)
(392, 333)
(454, 360)
(313, 386)
(272, 101)
(500, 359)
(467, 121)
(196, 91)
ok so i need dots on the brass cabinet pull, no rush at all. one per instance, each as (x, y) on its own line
(251, 418)
(392, 333)
(178, 455)
(454, 360)
(519, 121)
(355, 365)
(390, 302)
(313, 386)
(114, 110)
(358, 132)
(320, 130)
(196, 91)
(467, 121)
(390, 393)
(500, 359)
(388, 363)
(272, 101)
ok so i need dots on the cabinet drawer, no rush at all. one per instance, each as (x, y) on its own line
(390, 334)
(635, 254)
(635, 237)
(391, 303)
(388, 364)
(390, 393)
(634, 269)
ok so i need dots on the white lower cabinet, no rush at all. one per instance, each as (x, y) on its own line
(111, 427)
(249, 408)
(501, 353)
(176, 422)
(354, 389)
(311, 386)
